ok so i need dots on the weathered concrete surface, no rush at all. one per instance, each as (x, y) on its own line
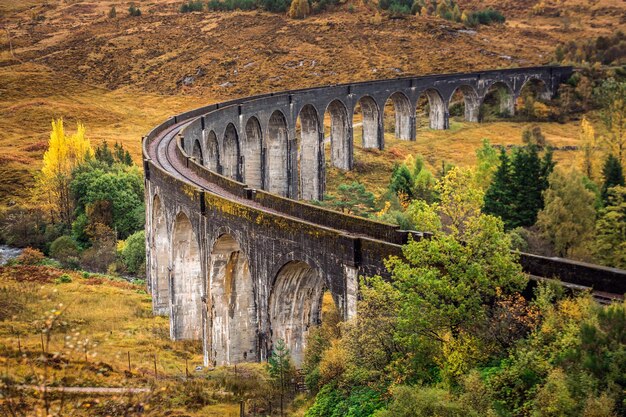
(241, 268)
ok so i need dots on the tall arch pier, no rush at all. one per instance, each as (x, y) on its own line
(238, 259)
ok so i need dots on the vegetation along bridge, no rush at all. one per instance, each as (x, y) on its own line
(235, 256)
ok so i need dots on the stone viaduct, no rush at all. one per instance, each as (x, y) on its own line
(236, 257)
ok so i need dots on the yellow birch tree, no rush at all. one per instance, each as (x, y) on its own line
(588, 139)
(64, 154)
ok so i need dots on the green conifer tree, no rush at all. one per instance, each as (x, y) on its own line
(498, 198)
(613, 175)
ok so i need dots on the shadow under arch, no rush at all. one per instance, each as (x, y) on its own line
(295, 305)
(186, 282)
(432, 101)
(470, 100)
(340, 135)
(276, 177)
(371, 122)
(212, 153)
(232, 316)
(160, 258)
(230, 153)
(252, 145)
(310, 154)
(400, 105)
(499, 101)
(196, 153)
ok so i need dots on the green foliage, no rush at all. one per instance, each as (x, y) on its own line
(218, 5)
(118, 155)
(134, 253)
(63, 279)
(352, 199)
(192, 6)
(488, 163)
(423, 401)
(488, 16)
(112, 196)
(612, 174)
(402, 181)
(568, 218)
(516, 192)
(277, 6)
(610, 244)
(66, 250)
(280, 366)
(331, 402)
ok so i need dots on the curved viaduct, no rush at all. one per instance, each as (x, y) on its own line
(236, 259)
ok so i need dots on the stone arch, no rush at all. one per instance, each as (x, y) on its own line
(310, 154)
(401, 106)
(533, 90)
(471, 102)
(186, 281)
(233, 312)
(212, 152)
(160, 258)
(277, 178)
(340, 135)
(197, 152)
(436, 108)
(230, 153)
(500, 96)
(371, 126)
(295, 305)
(252, 166)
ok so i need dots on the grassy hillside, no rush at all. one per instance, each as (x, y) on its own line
(122, 75)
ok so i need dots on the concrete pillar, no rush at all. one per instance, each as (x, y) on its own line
(351, 278)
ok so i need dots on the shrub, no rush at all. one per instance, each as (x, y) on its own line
(192, 6)
(278, 6)
(63, 279)
(134, 253)
(112, 13)
(134, 11)
(30, 256)
(64, 249)
(488, 16)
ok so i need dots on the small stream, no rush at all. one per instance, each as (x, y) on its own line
(7, 253)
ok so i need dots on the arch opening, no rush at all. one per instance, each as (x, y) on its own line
(197, 152)
(340, 135)
(310, 154)
(366, 112)
(277, 176)
(430, 106)
(295, 306)
(233, 313)
(252, 166)
(213, 153)
(464, 103)
(186, 299)
(230, 153)
(498, 103)
(533, 100)
(160, 259)
(398, 116)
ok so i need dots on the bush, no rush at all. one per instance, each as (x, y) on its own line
(112, 13)
(134, 11)
(30, 256)
(64, 249)
(134, 253)
(192, 6)
(64, 279)
(488, 16)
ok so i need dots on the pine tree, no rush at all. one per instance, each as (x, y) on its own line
(498, 198)
(280, 366)
(402, 181)
(613, 175)
(528, 180)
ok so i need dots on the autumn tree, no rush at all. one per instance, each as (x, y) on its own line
(352, 199)
(589, 146)
(299, 9)
(568, 217)
(612, 97)
(65, 153)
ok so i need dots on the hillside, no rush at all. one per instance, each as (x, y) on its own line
(122, 75)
